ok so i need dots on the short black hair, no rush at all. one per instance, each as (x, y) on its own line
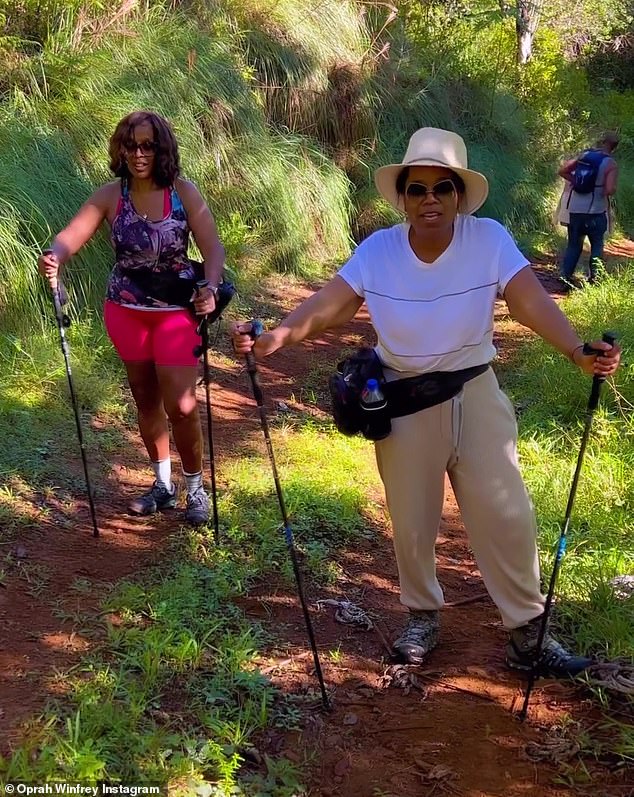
(166, 161)
(401, 180)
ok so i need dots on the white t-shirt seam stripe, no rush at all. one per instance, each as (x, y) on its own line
(436, 298)
(442, 353)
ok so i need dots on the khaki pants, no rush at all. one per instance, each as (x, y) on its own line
(473, 438)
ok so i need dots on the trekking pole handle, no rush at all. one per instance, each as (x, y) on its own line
(54, 283)
(198, 287)
(607, 337)
(60, 297)
(201, 328)
(597, 381)
(257, 328)
(205, 283)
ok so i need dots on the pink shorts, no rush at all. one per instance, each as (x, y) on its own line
(164, 337)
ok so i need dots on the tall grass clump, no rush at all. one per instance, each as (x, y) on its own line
(44, 183)
(278, 190)
(303, 71)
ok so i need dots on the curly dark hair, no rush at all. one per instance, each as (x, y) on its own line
(166, 159)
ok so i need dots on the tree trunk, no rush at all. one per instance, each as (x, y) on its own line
(526, 22)
(524, 46)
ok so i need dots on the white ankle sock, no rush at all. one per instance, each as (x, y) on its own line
(163, 473)
(194, 481)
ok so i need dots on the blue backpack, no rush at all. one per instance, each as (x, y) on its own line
(587, 170)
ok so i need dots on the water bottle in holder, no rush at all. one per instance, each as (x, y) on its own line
(377, 423)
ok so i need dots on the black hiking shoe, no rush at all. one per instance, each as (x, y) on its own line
(157, 498)
(554, 661)
(419, 638)
(197, 508)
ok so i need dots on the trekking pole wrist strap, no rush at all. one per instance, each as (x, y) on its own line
(257, 328)
(571, 356)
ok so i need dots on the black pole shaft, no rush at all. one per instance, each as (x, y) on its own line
(204, 330)
(593, 403)
(288, 532)
(61, 324)
(561, 549)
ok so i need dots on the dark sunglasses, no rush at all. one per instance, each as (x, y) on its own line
(443, 188)
(146, 147)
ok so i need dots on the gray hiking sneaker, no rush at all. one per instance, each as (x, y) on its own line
(419, 638)
(197, 508)
(553, 662)
(158, 497)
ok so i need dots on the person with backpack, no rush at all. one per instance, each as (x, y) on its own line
(593, 177)
(430, 285)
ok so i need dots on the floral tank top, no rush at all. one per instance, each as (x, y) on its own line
(151, 269)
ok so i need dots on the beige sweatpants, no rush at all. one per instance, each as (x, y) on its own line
(473, 438)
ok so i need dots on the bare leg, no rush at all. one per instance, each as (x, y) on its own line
(146, 392)
(155, 433)
(177, 386)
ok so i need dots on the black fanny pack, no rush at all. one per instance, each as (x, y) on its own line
(416, 393)
(168, 287)
(346, 385)
(404, 396)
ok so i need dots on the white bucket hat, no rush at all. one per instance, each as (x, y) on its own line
(431, 146)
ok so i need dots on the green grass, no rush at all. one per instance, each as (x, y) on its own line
(38, 424)
(278, 198)
(170, 692)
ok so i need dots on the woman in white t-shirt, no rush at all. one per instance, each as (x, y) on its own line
(430, 285)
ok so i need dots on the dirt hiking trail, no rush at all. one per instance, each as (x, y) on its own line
(442, 729)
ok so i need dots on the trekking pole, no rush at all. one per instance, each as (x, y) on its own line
(203, 331)
(593, 402)
(256, 331)
(223, 297)
(60, 298)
